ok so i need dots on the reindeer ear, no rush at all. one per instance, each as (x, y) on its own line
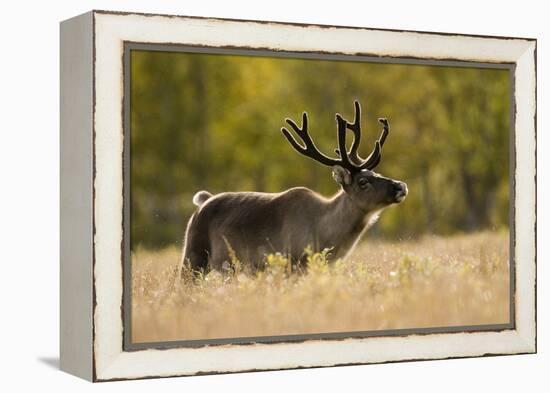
(341, 175)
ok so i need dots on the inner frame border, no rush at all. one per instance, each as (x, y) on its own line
(126, 309)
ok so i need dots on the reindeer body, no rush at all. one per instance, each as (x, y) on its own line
(286, 222)
(251, 225)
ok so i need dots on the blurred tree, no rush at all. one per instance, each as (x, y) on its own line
(203, 121)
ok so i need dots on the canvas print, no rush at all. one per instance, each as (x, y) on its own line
(275, 197)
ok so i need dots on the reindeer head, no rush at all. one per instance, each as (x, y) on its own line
(368, 190)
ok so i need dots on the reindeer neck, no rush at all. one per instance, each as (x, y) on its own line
(343, 222)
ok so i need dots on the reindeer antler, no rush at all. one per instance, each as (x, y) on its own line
(348, 159)
(309, 150)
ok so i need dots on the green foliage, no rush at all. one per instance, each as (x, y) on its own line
(317, 262)
(277, 265)
(212, 122)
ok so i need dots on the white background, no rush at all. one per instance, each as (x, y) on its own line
(29, 196)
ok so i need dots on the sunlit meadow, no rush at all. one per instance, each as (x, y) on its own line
(427, 282)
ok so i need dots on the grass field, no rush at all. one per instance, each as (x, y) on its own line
(428, 282)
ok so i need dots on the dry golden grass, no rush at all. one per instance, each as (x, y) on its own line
(430, 282)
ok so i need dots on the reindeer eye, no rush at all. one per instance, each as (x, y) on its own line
(363, 183)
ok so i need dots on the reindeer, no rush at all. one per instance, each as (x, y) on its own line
(250, 225)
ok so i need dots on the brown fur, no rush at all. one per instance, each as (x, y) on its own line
(250, 225)
(254, 224)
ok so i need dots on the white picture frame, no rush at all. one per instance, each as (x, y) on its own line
(92, 194)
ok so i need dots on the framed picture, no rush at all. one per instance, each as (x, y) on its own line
(245, 195)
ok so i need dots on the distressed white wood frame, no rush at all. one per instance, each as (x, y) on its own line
(111, 30)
